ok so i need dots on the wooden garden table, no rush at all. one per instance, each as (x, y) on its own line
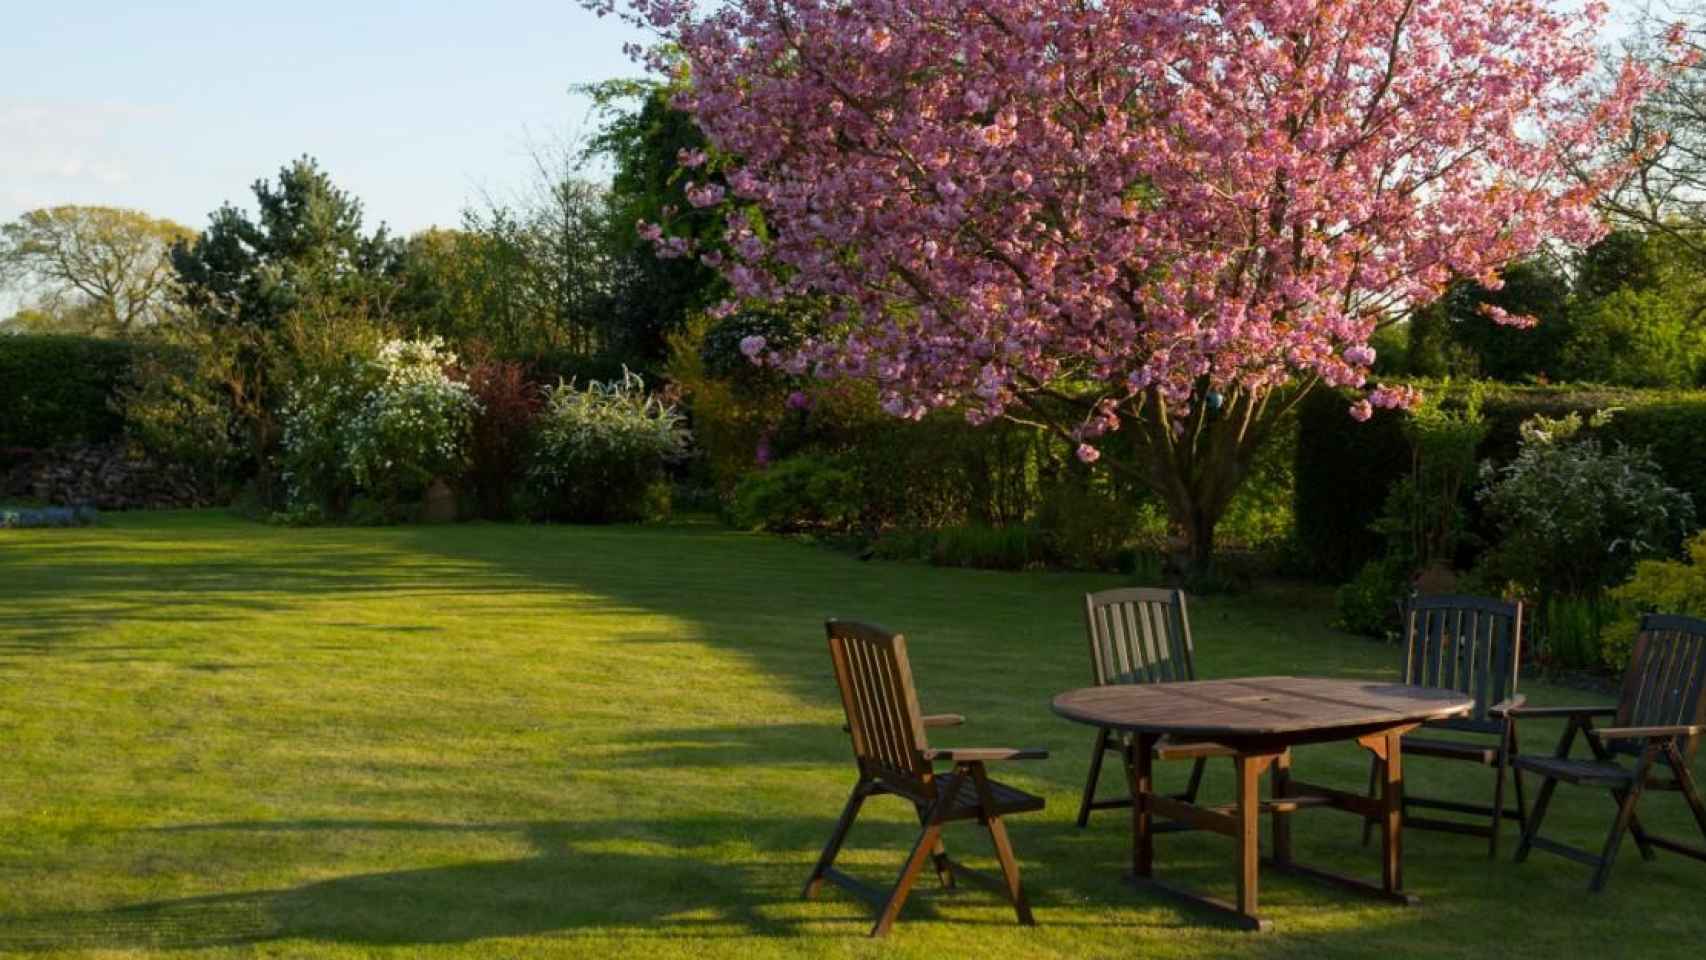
(1260, 719)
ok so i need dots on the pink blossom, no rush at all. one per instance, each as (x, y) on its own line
(690, 158)
(704, 194)
(1362, 355)
(1505, 318)
(1402, 397)
(1362, 410)
(987, 207)
(1088, 454)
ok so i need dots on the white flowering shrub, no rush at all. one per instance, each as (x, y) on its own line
(383, 427)
(1573, 516)
(599, 453)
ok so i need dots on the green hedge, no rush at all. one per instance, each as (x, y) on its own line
(55, 389)
(1345, 468)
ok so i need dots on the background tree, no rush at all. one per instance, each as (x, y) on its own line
(1171, 219)
(653, 296)
(305, 241)
(1454, 336)
(524, 275)
(93, 270)
(1665, 189)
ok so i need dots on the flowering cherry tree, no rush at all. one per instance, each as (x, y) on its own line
(1166, 216)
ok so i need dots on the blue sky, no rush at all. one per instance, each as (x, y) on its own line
(173, 107)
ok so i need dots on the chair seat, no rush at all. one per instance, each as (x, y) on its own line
(1451, 750)
(964, 790)
(1592, 772)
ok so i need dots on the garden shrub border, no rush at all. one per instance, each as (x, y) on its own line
(1345, 468)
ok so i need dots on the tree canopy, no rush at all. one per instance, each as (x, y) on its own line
(1158, 215)
(306, 240)
(93, 270)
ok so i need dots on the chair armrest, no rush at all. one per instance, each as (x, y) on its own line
(1528, 712)
(1512, 704)
(1642, 733)
(985, 754)
(931, 720)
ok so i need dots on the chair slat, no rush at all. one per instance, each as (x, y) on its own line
(1665, 684)
(1139, 636)
(1472, 645)
(881, 705)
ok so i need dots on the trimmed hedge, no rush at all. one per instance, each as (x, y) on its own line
(1345, 468)
(55, 389)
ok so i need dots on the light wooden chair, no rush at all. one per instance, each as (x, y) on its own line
(895, 758)
(1659, 720)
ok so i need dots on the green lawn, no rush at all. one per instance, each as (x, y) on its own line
(221, 738)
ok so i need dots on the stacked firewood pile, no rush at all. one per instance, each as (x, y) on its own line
(114, 476)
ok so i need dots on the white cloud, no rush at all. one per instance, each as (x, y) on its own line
(53, 152)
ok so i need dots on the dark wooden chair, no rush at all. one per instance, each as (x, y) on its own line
(894, 757)
(1141, 635)
(1472, 645)
(1660, 718)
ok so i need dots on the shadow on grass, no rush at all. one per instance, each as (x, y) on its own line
(573, 884)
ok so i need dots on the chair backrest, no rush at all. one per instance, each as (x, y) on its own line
(1139, 635)
(1665, 684)
(882, 707)
(1469, 644)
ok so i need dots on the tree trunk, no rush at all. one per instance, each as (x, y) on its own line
(1197, 463)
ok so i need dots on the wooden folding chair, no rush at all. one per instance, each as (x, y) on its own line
(894, 758)
(1140, 635)
(1660, 718)
(1472, 645)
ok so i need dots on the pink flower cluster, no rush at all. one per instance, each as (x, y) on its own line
(1162, 198)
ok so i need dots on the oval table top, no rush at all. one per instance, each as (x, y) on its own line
(1257, 707)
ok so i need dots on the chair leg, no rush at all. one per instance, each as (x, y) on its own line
(1498, 802)
(1195, 783)
(1516, 782)
(1642, 842)
(1090, 782)
(849, 813)
(1373, 794)
(1685, 780)
(908, 874)
(1531, 826)
(1619, 826)
(1010, 871)
(939, 856)
(1003, 847)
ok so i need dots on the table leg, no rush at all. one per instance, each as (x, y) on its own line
(1282, 819)
(1140, 771)
(1392, 816)
(1386, 809)
(1249, 831)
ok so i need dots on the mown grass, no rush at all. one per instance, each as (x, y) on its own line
(226, 739)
